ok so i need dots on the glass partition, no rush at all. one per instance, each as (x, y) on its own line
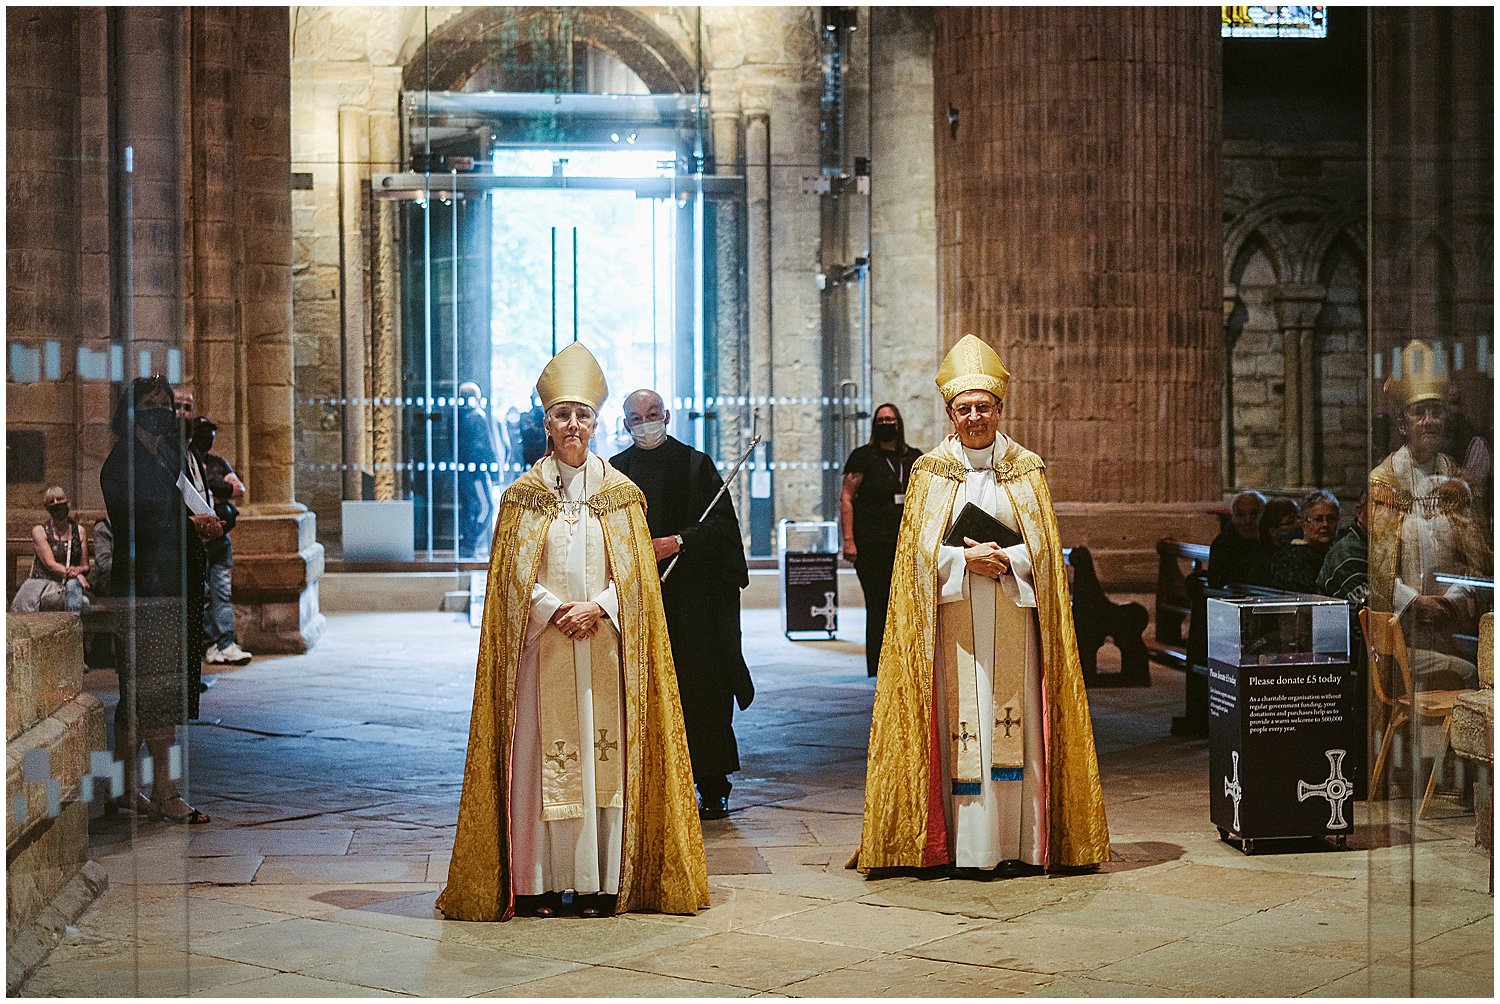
(550, 175)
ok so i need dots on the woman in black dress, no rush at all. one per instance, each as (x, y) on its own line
(870, 507)
(157, 583)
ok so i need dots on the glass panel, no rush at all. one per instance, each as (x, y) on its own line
(1431, 491)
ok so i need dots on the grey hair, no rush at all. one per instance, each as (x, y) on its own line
(1315, 496)
(1249, 493)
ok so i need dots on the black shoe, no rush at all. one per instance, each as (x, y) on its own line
(715, 807)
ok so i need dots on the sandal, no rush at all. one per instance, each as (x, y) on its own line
(192, 817)
(140, 804)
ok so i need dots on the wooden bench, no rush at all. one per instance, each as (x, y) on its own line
(1097, 618)
(1181, 577)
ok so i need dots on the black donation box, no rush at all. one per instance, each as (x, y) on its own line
(1282, 724)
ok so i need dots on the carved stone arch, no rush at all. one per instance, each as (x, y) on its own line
(1266, 218)
(1346, 223)
(457, 49)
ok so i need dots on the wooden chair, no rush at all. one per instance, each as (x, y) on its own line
(1385, 643)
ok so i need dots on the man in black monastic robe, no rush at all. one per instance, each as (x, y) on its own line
(702, 594)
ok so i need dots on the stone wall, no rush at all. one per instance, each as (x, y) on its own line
(51, 729)
(1296, 401)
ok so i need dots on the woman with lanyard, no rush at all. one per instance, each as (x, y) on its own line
(870, 507)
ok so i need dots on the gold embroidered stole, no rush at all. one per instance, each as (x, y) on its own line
(1392, 502)
(956, 635)
(559, 661)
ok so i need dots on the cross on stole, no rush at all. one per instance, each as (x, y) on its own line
(604, 744)
(1008, 722)
(1234, 789)
(557, 758)
(1335, 788)
(963, 735)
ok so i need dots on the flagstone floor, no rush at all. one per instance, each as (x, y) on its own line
(333, 779)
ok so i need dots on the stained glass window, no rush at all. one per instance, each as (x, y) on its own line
(1275, 22)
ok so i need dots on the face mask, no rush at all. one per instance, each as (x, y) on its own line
(59, 511)
(885, 432)
(158, 421)
(649, 435)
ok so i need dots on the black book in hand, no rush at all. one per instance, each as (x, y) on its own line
(980, 527)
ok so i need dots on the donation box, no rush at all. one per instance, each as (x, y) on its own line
(809, 553)
(1282, 725)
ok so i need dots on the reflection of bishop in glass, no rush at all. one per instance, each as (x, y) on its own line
(981, 748)
(577, 777)
(1422, 524)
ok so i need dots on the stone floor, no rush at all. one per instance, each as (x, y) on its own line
(333, 779)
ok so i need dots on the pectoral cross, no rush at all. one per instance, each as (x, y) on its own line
(603, 745)
(558, 758)
(963, 735)
(1008, 722)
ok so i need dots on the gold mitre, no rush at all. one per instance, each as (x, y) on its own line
(1421, 377)
(572, 375)
(971, 365)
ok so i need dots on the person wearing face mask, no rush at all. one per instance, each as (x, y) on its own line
(222, 647)
(577, 788)
(870, 507)
(160, 523)
(981, 753)
(58, 579)
(1275, 528)
(701, 596)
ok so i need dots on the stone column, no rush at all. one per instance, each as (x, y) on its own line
(1297, 310)
(1078, 231)
(239, 308)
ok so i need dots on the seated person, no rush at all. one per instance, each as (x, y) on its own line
(59, 565)
(1295, 567)
(1278, 524)
(1229, 555)
(1346, 567)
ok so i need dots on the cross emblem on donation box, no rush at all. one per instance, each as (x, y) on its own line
(1335, 788)
(558, 758)
(604, 744)
(963, 735)
(828, 611)
(1234, 789)
(1008, 722)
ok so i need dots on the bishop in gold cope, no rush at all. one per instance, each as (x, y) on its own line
(981, 748)
(577, 779)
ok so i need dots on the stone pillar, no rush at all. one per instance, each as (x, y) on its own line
(42, 237)
(1079, 232)
(240, 307)
(1432, 196)
(1297, 310)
